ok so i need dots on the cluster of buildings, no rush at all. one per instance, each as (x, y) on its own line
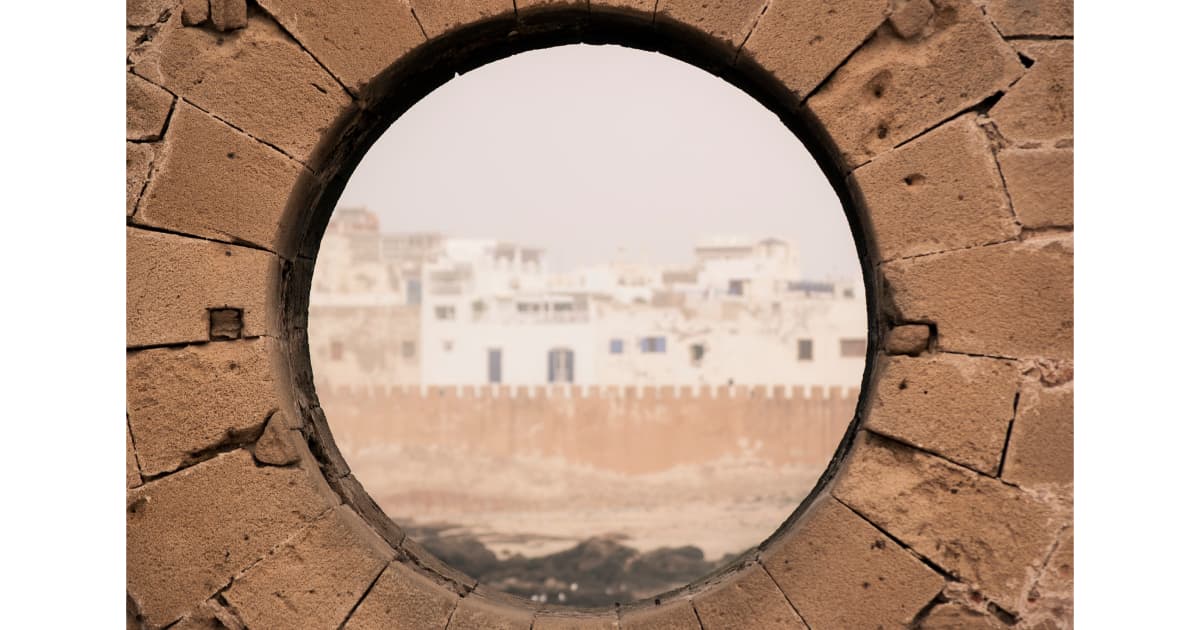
(426, 309)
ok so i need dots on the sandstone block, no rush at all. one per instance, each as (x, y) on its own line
(209, 616)
(893, 88)
(750, 600)
(227, 15)
(138, 158)
(256, 78)
(146, 108)
(1039, 110)
(833, 557)
(910, 339)
(172, 281)
(982, 531)
(1015, 18)
(801, 42)
(438, 17)
(942, 191)
(1042, 447)
(278, 445)
(356, 40)
(575, 621)
(953, 405)
(195, 12)
(188, 534)
(313, 580)
(133, 475)
(182, 401)
(957, 617)
(404, 599)
(729, 21)
(1051, 604)
(216, 182)
(146, 12)
(910, 18)
(478, 613)
(1041, 183)
(1012, 300)
(672, 615)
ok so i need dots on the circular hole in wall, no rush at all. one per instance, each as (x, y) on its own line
(588, 323)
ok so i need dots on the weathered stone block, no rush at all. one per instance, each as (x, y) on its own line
(209, 616)
(526, 8)
(672, 615)
(256, 78)
(893, 88)
(478, 613)
(227, 15)
(1015, 18)
(172, 281)
(957, 617)
(979, 529)
(632, 8)
(404, 599)
(356, 40)
(313, 580)
(953, 405)
(187, 535)
(801, 42)
(1041, 183)
(1051, 603)
(146, 108)
(1042, 447)
(182, 401)
(833, 557)
(146, 12)
(751, 600)
(575, 621)
(439, 16)
(1040, 109)
(727, 21)
(942, 191)
(910, 18)
(133, 475)
(910, 339)
(195, 12)
(138, 158)
(216, 182)
(279, 445)
(1011, 300)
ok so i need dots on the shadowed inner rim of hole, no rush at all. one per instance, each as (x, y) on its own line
(438, 61)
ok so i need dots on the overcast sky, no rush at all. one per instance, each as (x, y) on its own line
(591, 150)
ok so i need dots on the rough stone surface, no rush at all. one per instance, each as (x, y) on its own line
(953, 405)
(187, 535)
(887, 584)
(632, 8)
(439, 16)
(146, 12)
(958, 617)
(403, 599)
(801, 42)
(256, 78)
(313, 580)
(209, 616)
(1041, 183)
(133, 476)
(1015, 18)
(216, 182)
(909, 18)
(672, 615)
(172, 281)
(182, 401)
(1051, 604)
(1039, 110)
(979, 529)
(942, 191)
(195, 12)
(478, 613)
(751, 600)
(910, 339)
(355, 40)
(138, 158)
(895, 88)
(1011, 300)
(1042, 447)
(278, 445)
(728, 21)
(227, 15)
(532, 7)
(575, 621)
(146, 108)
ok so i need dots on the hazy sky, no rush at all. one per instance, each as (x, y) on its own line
(587, 150)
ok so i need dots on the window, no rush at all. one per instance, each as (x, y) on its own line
(493, 365)
(616, 346)
(412, 292)
(444, 313)
(737, 287)
(697, 352)
(804, 350)
(335, 351)
(654, 344)
(408, 349)
(561, 366)
(854, 347)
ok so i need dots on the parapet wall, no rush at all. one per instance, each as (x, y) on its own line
(621, 429)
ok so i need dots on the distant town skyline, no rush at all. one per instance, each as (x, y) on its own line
(586, 165)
